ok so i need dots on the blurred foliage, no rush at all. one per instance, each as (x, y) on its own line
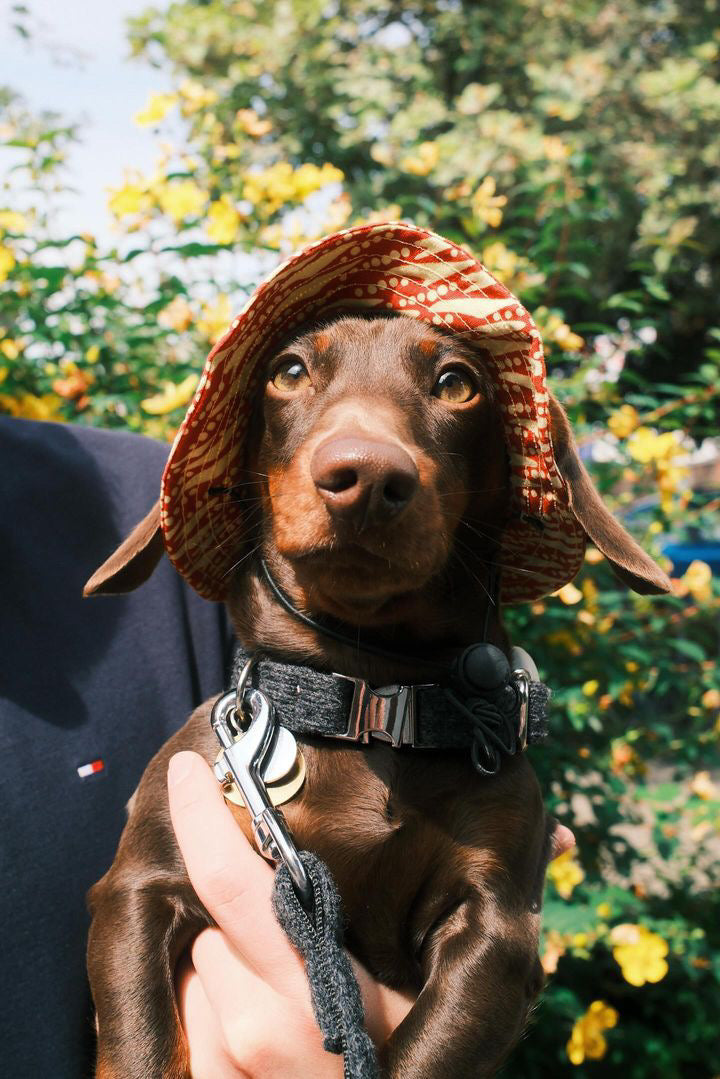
(573, 147)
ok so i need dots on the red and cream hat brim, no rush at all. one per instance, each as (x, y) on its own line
(384, 267)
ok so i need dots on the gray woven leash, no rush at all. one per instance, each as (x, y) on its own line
(318, 936)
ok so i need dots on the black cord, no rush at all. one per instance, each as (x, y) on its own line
(494, 724)
(337, 635)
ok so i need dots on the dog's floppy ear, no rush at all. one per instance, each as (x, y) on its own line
(134, 560)
(628, 561)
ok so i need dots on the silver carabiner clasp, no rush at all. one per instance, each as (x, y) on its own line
(243, 763)
(521, 681)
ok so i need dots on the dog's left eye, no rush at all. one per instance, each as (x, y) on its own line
(291, 376)
(455, 386)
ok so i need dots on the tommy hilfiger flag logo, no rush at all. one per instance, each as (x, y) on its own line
(90, 769)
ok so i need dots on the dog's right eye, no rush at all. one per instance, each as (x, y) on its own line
(291, 376)
(455, 386)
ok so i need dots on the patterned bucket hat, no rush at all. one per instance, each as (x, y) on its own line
(383, 267)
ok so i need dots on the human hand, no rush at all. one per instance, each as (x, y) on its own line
(243, 996)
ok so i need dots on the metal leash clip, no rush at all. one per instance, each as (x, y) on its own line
(243, 762)
(521, 680)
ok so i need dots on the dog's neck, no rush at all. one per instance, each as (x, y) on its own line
(452, 611)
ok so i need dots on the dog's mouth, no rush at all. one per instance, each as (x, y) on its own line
(357, 584)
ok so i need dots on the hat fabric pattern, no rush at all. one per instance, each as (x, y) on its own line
(384, 267)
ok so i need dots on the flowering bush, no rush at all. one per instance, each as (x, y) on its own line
(573, 148)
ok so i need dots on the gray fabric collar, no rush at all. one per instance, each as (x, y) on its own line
(313, 703)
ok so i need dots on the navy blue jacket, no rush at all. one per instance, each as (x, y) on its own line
(105, 679)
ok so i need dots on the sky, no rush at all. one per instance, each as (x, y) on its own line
(77, 63)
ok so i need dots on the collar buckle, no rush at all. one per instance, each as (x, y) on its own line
(389, 713)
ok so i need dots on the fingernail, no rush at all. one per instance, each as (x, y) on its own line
(180, 767)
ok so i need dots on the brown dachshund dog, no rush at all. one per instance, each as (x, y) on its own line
(379, 483)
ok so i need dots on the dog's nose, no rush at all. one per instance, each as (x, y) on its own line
(363, 481)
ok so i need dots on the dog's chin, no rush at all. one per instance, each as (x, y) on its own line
(360, 587)
(376, 610)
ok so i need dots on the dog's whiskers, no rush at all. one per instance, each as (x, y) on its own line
(456, 554)
(244, 558)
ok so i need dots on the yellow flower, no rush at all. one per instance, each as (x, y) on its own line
(703, 787)
(587, 1040)
(513, 270)
(7, 262)
(697, 580)
(309, 178)
(647, 445)
(639, 953)
(590, 688)
(565, 873)
(422, 161)
(604, 910)
(172, 396)
(177, 315)
(223, 221)
(215, 318)
(566, 339)
(554, 329)
(10, 348)
(280, 184)
(195, 96)
(180, 199)
(623, 422)
(249, 122)
(12, 222)
(93, 354)
(501, 261)
(29, 407)
(569, 594)
(131, 198)
(711, 699)
(487, 205)
(157, 107)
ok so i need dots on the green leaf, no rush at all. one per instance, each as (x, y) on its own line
(688, 648)
(656, 289)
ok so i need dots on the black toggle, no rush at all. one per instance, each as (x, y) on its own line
(482, 668)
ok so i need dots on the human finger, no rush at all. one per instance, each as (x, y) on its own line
(232, 881)
(199, 1021)
(562, 839)
(229, 981)
(251, 1016)
(384, 1008)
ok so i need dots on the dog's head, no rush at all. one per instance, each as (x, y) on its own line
(380, 437)
(377, 483)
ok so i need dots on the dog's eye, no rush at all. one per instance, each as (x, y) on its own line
(455, 386)
(291, 376)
